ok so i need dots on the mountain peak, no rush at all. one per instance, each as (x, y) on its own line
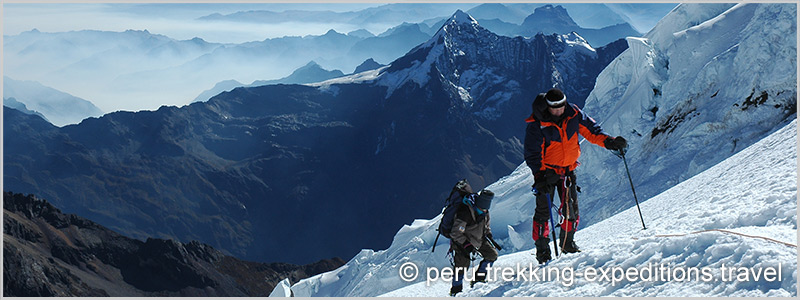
(312, 64)
(550, 7)
(460, 17)
(332, 32)
(551, 15)
(369, 64)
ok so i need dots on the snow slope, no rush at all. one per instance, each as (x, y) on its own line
(753, 193)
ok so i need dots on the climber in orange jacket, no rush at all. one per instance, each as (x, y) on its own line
(552, 151)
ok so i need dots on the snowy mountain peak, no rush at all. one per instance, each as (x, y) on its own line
(470, 59)
(462, 18)
(461, 24)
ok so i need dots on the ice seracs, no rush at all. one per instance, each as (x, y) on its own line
(701, 86)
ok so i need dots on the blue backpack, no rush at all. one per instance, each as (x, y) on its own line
(460, 191)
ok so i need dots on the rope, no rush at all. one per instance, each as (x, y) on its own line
(726, 231)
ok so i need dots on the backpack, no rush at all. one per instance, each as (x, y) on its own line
(461, 190)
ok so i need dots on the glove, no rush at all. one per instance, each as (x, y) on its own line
(469, 247)
(619, 143)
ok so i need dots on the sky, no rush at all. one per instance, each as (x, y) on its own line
(174, 20)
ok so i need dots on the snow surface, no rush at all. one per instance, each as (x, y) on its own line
(365, 76)
(283, 289)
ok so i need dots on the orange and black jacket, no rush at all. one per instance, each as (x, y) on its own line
(553, 142)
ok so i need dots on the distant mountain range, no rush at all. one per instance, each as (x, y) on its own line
(550, 19)
(121, 70)
(546, 19)
(385, 14)
(312, 72)
(264, 172)
(56, 106)
(590, 15)
(89, 63)
(47, 253)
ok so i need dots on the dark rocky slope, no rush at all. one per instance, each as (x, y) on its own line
(48, 253)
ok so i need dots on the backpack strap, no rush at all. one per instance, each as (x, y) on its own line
(470, 205)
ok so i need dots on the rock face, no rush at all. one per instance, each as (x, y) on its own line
(48, 253)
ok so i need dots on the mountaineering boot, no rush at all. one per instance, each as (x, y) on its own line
(568, 246)
(456, 289)
(457, 282)
(542, 250)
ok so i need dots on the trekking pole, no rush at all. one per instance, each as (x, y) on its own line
(622, 153)
(552, 223)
